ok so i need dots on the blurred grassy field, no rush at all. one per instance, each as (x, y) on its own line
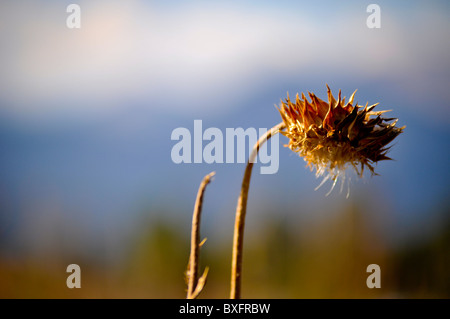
(282, 259)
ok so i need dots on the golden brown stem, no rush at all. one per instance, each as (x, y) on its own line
(238, 239)
(194, 284)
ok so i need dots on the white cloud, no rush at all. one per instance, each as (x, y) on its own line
(132, 49)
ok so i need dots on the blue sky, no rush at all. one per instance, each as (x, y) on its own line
(86, 115)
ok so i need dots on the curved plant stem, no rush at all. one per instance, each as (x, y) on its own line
(238, 239)
(195, 285)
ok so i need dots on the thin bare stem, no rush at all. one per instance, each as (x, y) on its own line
(238, 239)
(195, 285)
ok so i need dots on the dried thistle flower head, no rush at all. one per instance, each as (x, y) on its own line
(332, 136)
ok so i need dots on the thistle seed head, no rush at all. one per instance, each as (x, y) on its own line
(334, 135)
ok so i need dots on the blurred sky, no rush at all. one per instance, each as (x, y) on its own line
(86, 114)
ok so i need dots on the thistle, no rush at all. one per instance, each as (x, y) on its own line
(335, 135)
(330, 137)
